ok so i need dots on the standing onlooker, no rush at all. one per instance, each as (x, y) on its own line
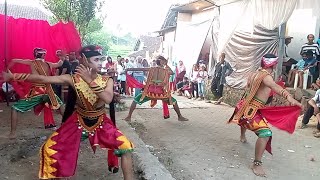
(222, 70)
(194, 81)
(181, 72)
(64, 69)
(311, 45)
(74, 62)
(313, 109)
(201, 77)
(129, 64)
(138, 75)
(110, 68)
(287, 61)
(314, 47)
(121, 76)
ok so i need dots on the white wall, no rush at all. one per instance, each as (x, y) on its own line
(304, 20)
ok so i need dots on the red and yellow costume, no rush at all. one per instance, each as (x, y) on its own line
(40, 97)
(59, 154)
(252, 113)
(153, 92)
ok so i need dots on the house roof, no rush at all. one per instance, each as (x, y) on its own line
(171, 18)
(22, 11)
(150, 44)
(195, 5)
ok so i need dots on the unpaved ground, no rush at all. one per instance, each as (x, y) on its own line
(207, 148)
(19, 158)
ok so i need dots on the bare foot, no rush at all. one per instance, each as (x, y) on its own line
(128, 119)
(12, 135)
(258, 170)
(217, 103)
(181, 118)
(243, 139)
(316, 131)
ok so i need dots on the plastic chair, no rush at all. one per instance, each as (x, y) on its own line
(306, 76)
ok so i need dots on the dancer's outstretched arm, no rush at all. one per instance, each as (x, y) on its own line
(35, 78)
(269, 82)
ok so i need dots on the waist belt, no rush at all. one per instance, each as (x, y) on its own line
(90, 114)
(252, 108)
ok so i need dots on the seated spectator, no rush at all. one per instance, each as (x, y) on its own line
(315, 86)
(313, 109)
(181, 85)
(187, 90)
(11, 94)
(298, 69)
(311, 63)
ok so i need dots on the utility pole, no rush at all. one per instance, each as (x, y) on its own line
(5, 45)
(282, 32)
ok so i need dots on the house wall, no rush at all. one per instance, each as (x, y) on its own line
(167, 44)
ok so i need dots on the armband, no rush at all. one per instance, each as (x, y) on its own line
(20, 76)
(285, 93)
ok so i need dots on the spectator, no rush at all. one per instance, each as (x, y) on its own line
(222, 70)
(182, 85)
(299, 69)
(10, 94)
(310, 45)
(138, 75)
(74, 62)
(110, 67)
(201, 77)
(287, 61)
(313, 109)
(121, 76)
(64, 69)
(194, 81)
(311, 63)
(129, 64)
(316, 86)
(181, 72)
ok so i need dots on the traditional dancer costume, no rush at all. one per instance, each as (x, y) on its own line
(252, 113)
(59, 154)
(156, 88)
(154, 92)
(40, 97)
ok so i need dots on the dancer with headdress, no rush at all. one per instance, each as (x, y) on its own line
(41, 96)
(156, 88)
(86, 118)
(252, 113)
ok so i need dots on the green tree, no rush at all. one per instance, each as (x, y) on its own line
(81, 12)
(101, 38)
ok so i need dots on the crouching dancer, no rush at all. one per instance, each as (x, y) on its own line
(88, 120)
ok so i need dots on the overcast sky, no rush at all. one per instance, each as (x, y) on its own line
(136, 16)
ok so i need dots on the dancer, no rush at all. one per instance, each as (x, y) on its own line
(41, 96)
(157, 89)
(251, 111)
(87, 120)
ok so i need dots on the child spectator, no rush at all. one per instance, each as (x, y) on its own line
(194, 81)
(202, 76)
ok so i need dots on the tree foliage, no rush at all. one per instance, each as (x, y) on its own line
(101, 38)
(81, 12)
